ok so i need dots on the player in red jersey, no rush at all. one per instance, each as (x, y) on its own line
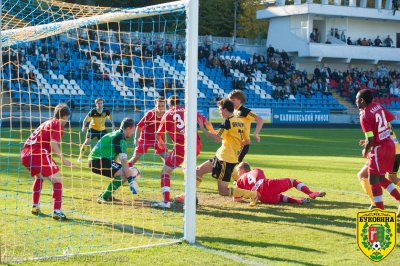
(379, 148)
(36, 157)
(270, 190)
(145, 134)
(173, 123)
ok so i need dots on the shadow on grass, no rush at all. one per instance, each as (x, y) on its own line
(279, 215)
(252, 243)
(124, 228)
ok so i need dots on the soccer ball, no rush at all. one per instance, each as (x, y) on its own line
(135, 172)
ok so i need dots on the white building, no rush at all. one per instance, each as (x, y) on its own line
(290, 27)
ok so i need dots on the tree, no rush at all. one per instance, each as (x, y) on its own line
(216, 17)
(248, 25)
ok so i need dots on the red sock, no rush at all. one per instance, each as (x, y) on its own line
(36, 190)
(301, 187)
(377, 192)
(165, 186)
(390, 188)
(57, 195)
(289, 199)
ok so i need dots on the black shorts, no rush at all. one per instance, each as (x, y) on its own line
(104, 167)
(222, 170)
(92, 133)
(396, 163)
(243, 153)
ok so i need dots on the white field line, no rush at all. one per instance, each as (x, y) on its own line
(230, 256)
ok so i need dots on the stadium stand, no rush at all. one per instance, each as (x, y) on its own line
(61, 71)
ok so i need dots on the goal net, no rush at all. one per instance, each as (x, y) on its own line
(54, 52)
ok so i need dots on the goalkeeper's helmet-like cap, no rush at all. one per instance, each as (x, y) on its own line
(61, 110)
(127, 123)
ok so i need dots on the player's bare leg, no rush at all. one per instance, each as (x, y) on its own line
(82, 150)
(201, 170)
(364, 182)
(392, 176)
(235, 174)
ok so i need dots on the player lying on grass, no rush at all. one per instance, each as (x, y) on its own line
(233, 136)
(108, 158)
(36, 157)
(270, 190)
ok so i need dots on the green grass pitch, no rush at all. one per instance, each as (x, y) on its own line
(320, 233)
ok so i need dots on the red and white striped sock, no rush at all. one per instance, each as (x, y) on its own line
(165, 186)
(390, 188)
(289, 199)
(300, 186)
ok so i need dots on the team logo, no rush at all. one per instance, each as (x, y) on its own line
(376, 233)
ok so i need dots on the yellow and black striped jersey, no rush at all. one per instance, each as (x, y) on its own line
(232, 132)
(98, 120)
(394, 138)
(247, 115)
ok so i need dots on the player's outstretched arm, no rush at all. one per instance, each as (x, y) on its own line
(112, 123)
(55, 148)
(85, 121)
(210, 127)
(259, 125)
(138, 132)
(210, 135)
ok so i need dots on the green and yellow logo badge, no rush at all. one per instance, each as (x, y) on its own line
(376, 233)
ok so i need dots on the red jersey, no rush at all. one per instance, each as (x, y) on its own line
(374, 118)
(149, 124)
(253, 180)
(40, 139)
(173, 122)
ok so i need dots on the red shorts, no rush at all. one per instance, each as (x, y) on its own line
(144, 145)
(272, 189)
(381, 158)
(177, 155)
(39, 164)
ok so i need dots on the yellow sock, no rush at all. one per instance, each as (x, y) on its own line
(367, 189)
(235, 175)
(238, 192)
(198, 181)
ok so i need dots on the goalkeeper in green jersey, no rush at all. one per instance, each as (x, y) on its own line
(109, 158)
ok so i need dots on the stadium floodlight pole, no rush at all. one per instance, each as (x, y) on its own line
(189, 230)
